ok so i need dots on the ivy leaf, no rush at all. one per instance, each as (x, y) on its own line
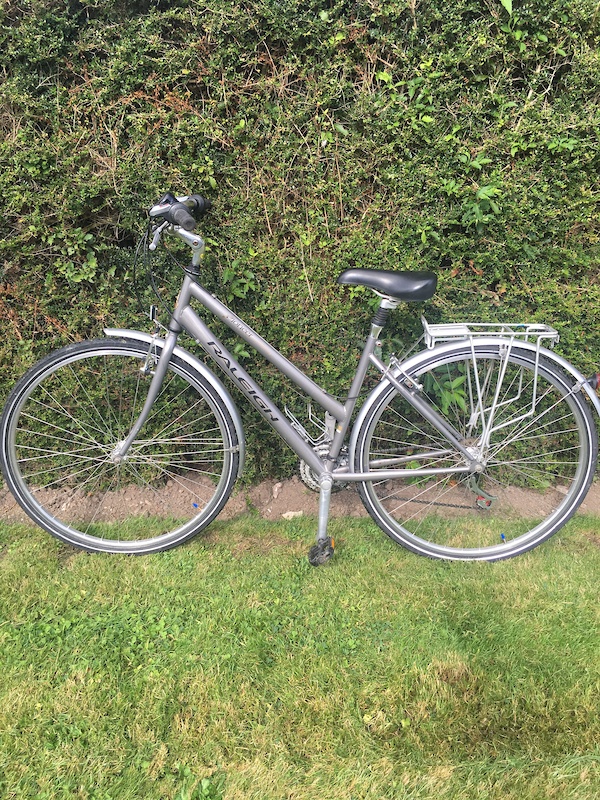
(340, 129)
(384, 76)
(507, 4)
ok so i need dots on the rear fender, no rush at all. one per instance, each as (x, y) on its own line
(544, 352)
(580, 380)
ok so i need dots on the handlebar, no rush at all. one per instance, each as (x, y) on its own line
(178, 210)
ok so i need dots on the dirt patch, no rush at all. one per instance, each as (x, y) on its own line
(591, 504)
(272, 500)
(291, 498)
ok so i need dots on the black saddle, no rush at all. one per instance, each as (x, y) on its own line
(408, 286)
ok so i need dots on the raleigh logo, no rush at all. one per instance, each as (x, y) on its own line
(243, 384)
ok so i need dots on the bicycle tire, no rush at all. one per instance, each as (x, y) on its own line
(66, 416)
(538, 468)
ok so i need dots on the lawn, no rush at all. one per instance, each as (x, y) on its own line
(229, 668)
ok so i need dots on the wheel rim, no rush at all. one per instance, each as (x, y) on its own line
(64, 431)
(537, 469)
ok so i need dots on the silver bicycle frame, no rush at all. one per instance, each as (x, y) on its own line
(185, 318)
(188, 319)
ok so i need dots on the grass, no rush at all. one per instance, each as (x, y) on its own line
(229, 669)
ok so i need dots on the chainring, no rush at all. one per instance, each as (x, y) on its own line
(310, 479)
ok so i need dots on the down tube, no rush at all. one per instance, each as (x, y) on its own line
(256, 342)
(249, 388)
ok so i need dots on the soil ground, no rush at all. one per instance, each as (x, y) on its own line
(284, 500)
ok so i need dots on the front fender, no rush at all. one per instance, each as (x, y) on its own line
(198, 366)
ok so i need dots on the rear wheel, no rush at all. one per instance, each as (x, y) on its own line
(539, 460)
(63, 421)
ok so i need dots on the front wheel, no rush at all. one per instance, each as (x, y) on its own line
(520, 416)
(59, 434)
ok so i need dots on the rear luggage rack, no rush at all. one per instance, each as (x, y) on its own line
(447, 332)
(508, 336)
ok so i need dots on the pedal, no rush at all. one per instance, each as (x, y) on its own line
(321, 553)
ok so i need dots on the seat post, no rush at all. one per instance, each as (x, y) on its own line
(381, 315)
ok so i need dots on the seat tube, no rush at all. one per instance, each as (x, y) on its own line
(377, 325)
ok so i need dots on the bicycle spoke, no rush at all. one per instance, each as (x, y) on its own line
(68, 427)
(531, 435)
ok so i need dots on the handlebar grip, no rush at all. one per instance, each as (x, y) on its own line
(179, 214)
(202, 204)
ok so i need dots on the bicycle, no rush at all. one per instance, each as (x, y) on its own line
(446, 450)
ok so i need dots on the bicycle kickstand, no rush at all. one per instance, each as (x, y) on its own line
(322, 551)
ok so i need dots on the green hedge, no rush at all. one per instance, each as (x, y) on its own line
(459, 137)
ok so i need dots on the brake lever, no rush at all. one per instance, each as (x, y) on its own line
(157, 234)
